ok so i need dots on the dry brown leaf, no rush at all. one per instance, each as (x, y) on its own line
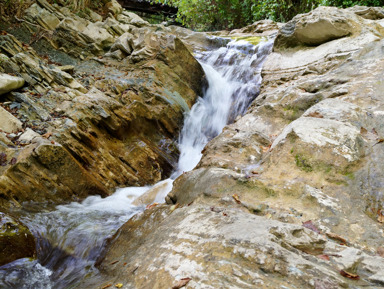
(324, 257)
(363, 131)
(47, 135)
(379, 140)
(349, 275)
(315, 114)
(151, 206)
(336, 237)
(106, 286)
(236, 198)
(310, 225)
(265, 149)
(183, 282)
(380, 218)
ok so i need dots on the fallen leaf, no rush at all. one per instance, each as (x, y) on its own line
(181, 283)
(225, 214)
(315, 114)
(379, 140)
(336, 237)
(151, 206)
(47, 135)
(324, 257)
(236, 198)
(310, 225)
(349, 275)
(119, 285)
(265, 149)
(106, 286)
(114, 262)
(380, 218)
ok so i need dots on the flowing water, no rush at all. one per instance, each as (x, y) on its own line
(70, 238)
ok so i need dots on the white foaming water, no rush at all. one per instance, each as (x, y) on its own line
(71, 238)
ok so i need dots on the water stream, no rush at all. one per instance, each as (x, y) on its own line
(71, 237)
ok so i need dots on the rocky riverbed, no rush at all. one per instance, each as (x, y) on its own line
(289, 195)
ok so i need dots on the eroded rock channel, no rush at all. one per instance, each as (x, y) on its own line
(266, 147)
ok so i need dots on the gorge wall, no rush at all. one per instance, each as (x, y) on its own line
(289, 195)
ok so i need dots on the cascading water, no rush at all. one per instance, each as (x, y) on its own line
(70, 238)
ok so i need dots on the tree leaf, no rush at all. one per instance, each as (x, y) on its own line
(324, 257)
(336, 237)
(236, 198)
(310, 225)
(183, 282)
(349, 275)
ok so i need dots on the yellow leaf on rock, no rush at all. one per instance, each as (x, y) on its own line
(119, 285)
(236, 198)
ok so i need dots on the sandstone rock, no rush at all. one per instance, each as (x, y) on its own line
(122, 43)
(340, 139)
(94, 16)
(98, 35)
(16, 241)
(265, 27)
(131, 18)
(9, 83)
(208, 245)
(373, 13)
(28, 136)
(9, 123)
(114, 127)
(114, 7)
(314, 28)
(42, 16)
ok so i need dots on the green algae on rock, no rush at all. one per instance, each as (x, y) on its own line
(16, 241)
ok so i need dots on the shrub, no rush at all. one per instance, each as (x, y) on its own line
(230, 14)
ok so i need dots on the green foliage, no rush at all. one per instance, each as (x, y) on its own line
(230, 14)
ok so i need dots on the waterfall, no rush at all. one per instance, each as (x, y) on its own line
(71, 237)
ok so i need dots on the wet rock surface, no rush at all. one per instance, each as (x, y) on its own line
(290, 194)
(16, 241)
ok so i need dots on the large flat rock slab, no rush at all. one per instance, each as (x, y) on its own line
(9, 83)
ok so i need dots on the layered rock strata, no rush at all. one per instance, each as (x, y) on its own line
(101, 105)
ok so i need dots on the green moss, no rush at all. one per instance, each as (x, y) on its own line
(303, 163)
(349, 175)
(254, 40)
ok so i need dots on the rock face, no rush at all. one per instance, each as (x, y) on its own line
(9, 83)
(101, 109)
(291, 194)
(319, 26)
(16, 241)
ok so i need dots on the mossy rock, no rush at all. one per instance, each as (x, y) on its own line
(16, 241)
